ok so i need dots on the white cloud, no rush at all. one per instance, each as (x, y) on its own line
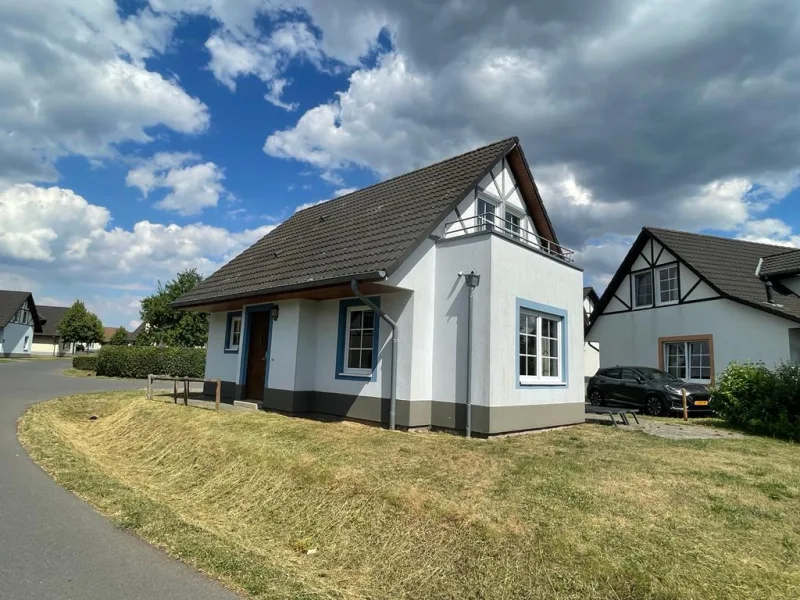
(73, 81)
(193, 185)
(344, 191)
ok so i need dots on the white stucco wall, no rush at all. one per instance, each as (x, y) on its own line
(13, 338)
(517, 272)
(591, 359)
(450, 320)
(218, 363)
(740, 333)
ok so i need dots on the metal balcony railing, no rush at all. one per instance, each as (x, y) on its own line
(509, 229)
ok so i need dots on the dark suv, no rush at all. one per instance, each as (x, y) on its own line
(655, 392)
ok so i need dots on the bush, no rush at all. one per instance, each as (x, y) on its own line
(84, 363)
(759, 400)
(137, 362)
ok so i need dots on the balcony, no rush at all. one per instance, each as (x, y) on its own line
(510, 230)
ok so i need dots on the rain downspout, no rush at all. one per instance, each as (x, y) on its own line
(472, 280)
(393, 325)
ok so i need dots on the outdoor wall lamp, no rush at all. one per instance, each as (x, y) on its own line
(273, 312)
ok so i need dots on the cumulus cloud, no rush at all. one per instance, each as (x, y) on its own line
(73, 81)
(193, 185)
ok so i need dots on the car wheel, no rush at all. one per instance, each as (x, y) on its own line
(596, 398)
(654, 407)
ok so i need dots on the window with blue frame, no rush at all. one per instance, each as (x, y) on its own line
(233, 332)
(541, 344)
(357, 348)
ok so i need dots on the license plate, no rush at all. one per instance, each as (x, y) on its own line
(701, 402)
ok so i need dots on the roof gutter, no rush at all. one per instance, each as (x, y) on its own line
(395, 344)
(371, 276)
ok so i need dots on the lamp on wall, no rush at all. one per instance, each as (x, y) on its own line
(273, 312)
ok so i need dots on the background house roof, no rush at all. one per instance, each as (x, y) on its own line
(53, 314)
(364, 233)
(784, 263)
(727, 265)
(10, 303)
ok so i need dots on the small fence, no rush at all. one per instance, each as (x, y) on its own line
(186, 381)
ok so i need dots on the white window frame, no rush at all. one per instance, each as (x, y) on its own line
(633, 288)
(539, 379)
(346, 370)
(231, 345)
(486, 225)
(512, 212)
(687, 368)
(657, 284)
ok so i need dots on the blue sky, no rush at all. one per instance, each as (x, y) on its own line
(144, 137)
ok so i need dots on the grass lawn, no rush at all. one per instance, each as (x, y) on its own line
(585, 512)
(79, 373)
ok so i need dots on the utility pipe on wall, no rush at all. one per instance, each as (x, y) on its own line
(393, 325)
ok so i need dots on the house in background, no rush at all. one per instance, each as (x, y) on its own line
(48, 342)
(19, 321)
(364, 303)
(691, 304)
(591, 350)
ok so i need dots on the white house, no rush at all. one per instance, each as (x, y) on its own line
(691, 304)
(591, 350)
(19, 320)
(362, 303)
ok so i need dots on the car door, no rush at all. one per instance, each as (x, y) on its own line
(632, 389)
(609, 387)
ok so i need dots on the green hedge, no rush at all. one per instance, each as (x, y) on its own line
(85, 363)
(760, 400)
(137, 362)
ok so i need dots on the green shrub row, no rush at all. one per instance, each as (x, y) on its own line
(137, 362)
(85, 363)
(760, 400)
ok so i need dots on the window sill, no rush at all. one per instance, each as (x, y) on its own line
(543, 383)
(231, 350)
(355, 376)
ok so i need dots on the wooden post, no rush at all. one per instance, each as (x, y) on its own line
(219, 393)
(150, 387)
(685, 407)
(175, 391)
(186, 391)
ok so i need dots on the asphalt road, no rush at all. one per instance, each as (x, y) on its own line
(52, 544)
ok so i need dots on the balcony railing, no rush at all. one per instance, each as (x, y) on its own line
(509, 229)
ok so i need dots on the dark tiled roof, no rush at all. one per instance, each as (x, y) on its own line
(10, 303)
(729, 266)
(356, 235)
(784, 263)
(53, 314)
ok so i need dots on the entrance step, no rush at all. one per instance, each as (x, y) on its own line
(245, 404)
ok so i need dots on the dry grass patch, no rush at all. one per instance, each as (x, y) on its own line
(587, 512)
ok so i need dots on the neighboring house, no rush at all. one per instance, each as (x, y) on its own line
(690, 304)
(19, 321)
(591, 350)
(134, 335)
(288, 330)
(48, 342)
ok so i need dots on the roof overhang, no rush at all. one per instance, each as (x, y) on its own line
(328, 289)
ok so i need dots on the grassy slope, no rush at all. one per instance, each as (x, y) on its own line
(587, 512)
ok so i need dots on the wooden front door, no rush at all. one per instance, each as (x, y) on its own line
(259, 323)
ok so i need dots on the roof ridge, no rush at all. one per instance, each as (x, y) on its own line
(721, 237)
(412, 172)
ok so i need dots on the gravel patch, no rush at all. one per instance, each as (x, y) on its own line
(675, 431)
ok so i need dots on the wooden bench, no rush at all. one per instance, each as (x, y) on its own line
(611, 411)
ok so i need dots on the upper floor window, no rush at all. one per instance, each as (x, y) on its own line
(486, 214)
(514, 224)
(668, 284)
(23, 316)
(643, 289)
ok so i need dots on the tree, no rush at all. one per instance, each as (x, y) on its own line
(119, 337)
(167, 325)
(79, 326)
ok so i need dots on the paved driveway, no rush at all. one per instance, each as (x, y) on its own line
(53, 545)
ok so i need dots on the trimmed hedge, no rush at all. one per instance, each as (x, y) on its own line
(137, 362)
(760, 400)
(84, 363)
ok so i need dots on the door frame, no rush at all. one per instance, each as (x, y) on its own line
(245, 345)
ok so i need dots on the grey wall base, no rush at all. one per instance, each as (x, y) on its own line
(419, 413)
(16, 355)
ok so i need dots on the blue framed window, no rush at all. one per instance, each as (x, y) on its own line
(357, 344)
(233, 332)
(541, 355)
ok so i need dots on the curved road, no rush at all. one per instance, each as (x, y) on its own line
(52, 544)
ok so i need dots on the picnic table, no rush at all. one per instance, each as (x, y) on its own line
(611, 411)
